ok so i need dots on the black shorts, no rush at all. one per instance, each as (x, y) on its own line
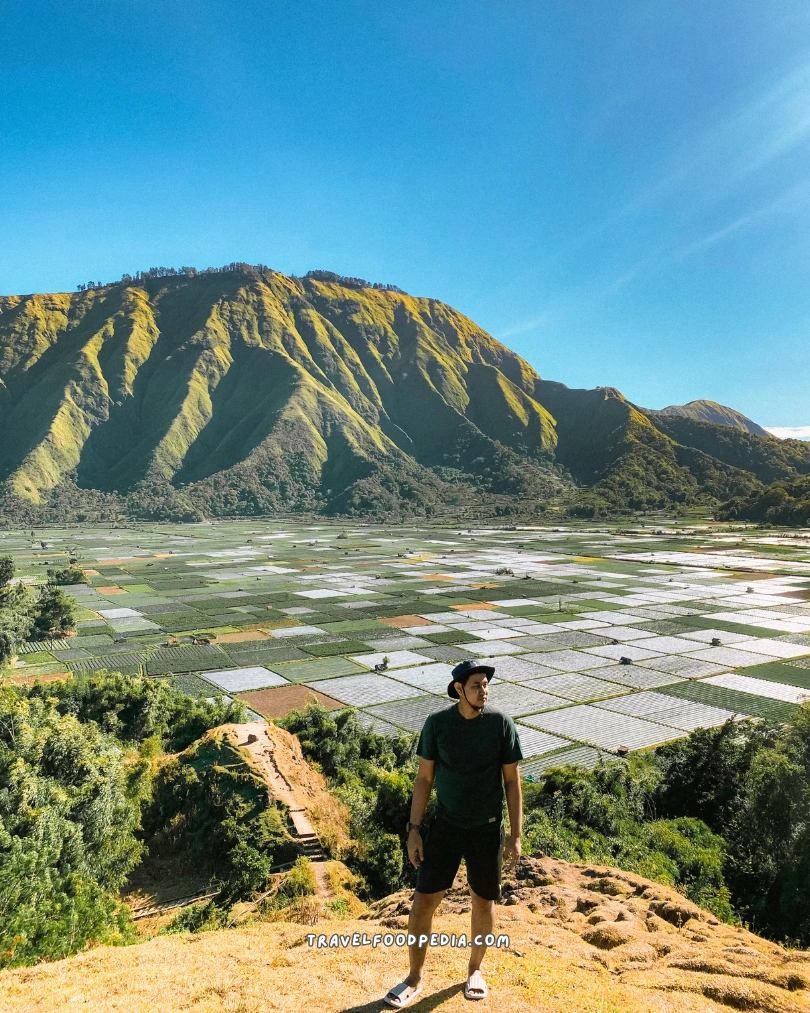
(444, 847)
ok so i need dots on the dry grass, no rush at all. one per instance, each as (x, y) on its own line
(582, 940)
(271, 966)
(279, 760)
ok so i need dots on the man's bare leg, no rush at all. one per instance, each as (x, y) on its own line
(482, 921)
(420, 923)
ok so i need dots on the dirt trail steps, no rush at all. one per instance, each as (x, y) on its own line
(260, 742)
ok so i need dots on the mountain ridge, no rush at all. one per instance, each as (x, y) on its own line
(711, 411)
(244, 390)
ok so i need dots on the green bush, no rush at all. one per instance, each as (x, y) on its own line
(205, 917)
(606, 816)
(373, 775)
(6, 570)
(17, 608)
(135, 708)
(209, 816)
(67, 575)
(337, 742)
(750, 782)
(54, 612)
(300, 880)
(69, 812)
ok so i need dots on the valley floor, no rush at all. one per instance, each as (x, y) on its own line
(600, 637)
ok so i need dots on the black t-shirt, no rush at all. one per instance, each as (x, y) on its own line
(468, 753)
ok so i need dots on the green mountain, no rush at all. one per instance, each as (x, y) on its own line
(711, 411)
(242, 390)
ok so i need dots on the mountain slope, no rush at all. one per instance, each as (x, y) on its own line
(711, 411)
(245, 391)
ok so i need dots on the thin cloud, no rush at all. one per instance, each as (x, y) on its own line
(708, 163)
(782, 202)
(789, 432)
(546, 317)
(778, 119)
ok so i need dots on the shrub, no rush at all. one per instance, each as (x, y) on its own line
(69, 811)
(210, 816)
(67, 575)
(205, 917)
(135, 708)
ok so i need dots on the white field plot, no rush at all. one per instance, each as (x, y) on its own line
(587, 723)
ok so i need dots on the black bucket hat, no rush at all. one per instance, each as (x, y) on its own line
(465, 669)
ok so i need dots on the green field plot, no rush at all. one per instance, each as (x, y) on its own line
(450, 637)
(186, 659)
(714, 623)
(776, 671)
(111, 663)
(325, 649)
(38, 658)
(326, 668)
(206, 579)
(596, 604)
(194, 685)
(349, 626)
(731, 699)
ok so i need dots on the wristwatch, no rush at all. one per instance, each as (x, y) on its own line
(412, 826)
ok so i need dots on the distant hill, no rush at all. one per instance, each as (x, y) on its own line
(178, 395)
(717, 414)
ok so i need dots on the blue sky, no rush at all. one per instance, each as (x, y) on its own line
(619, 192)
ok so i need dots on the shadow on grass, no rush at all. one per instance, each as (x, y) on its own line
(423, 1005)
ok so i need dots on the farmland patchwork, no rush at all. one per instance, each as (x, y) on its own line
(599, 639)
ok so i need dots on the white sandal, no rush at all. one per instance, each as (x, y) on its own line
(403, 994)
(476, 987)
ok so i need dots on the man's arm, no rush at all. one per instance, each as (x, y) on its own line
(421, 793)
(514, 804)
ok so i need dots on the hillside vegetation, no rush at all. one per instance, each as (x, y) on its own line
(781, 503)
(244, 391)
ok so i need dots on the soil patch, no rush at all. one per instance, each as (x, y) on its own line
(279, 701)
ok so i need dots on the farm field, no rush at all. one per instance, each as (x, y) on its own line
(600, 639)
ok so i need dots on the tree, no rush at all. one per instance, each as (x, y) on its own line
(66, 575)
(70, 806)
(16, 619)
(54, 612)
(6, 569)
(134, 708)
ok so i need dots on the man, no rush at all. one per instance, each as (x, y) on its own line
(471, 750)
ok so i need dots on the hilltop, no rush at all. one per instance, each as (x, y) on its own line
(245, 391)
(583, 938)
(711, 411)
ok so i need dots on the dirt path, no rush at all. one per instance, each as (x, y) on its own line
(254, 738)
